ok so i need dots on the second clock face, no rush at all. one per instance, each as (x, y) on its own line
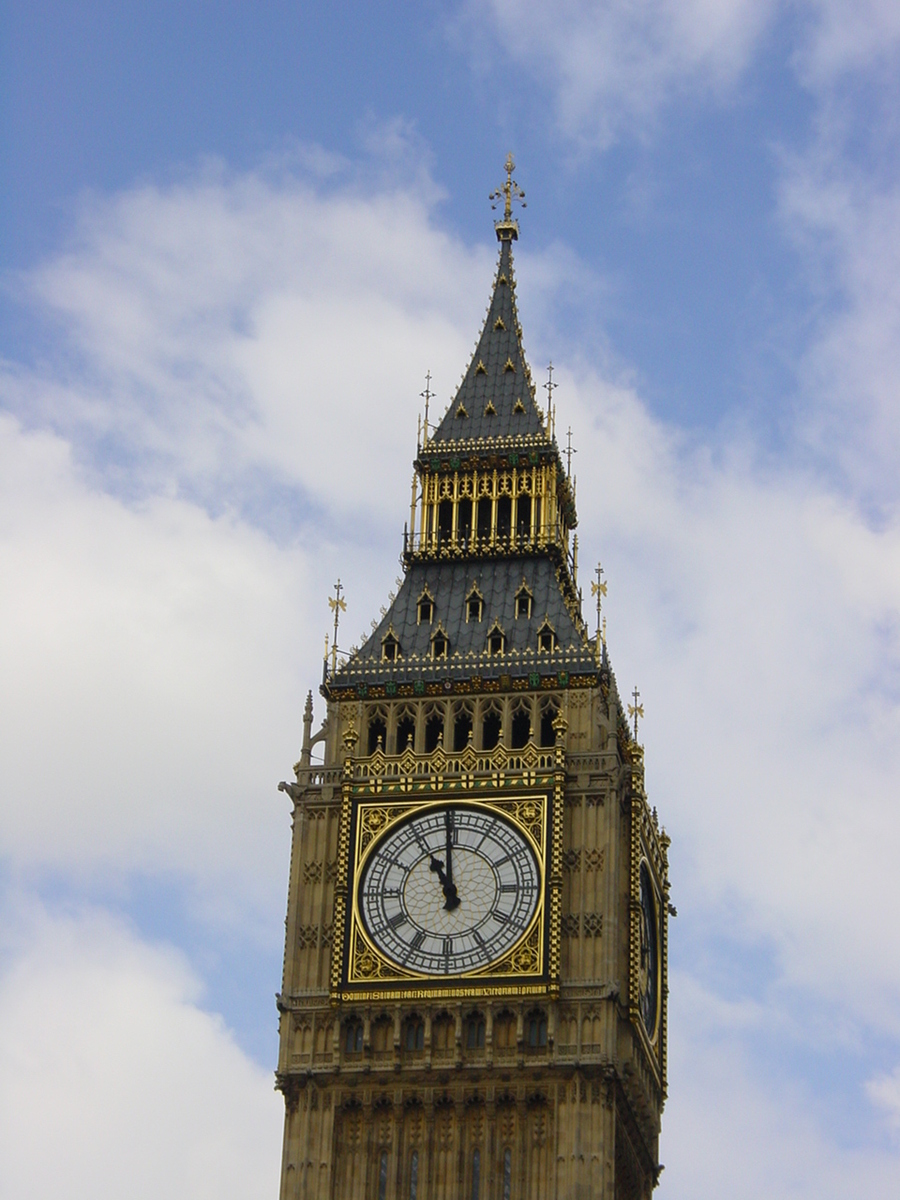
(450, 890)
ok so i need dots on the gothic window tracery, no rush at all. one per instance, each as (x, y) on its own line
(549, 713)
(462, 726)
(377, 730)
(520, 731)
(406, 730)
(491, 726)
(434, 727)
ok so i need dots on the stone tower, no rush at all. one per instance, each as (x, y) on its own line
(474, 994)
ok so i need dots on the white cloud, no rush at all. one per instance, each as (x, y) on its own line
(748, 1128)
(114, 1082)
(232, 340)
(612, 66)
(884, 1091)
(150, 655)
(848, 226)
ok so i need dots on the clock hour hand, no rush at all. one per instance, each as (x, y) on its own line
(437, 865)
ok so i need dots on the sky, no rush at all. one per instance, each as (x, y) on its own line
(233, 240)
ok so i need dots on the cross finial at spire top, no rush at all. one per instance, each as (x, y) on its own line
(507, 229)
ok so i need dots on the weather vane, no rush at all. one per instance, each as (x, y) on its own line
(636, 710)
(509, 192)
(550, 387)
(337, 604)
(598, 589)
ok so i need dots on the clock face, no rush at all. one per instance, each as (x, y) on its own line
(450, 890)
(649, 970)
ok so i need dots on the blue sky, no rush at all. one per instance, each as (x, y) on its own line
(234, 239)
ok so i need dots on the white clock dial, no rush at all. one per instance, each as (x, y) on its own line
(450, 890)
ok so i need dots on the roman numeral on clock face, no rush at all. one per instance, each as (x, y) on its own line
(397, 920)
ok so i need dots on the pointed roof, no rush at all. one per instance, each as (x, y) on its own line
(496, 396)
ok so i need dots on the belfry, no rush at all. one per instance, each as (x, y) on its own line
(474, 996)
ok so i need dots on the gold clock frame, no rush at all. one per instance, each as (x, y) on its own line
(509, 782)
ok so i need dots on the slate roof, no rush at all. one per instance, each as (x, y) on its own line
(450, 584)
(498, 376)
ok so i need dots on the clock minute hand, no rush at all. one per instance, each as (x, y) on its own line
(450, 894)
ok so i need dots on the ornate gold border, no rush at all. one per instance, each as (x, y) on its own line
(366, 965)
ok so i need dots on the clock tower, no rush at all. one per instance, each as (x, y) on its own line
(474, 995)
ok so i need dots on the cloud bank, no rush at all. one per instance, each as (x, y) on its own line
(229, 425)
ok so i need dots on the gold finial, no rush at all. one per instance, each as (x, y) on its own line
(507, 228)
(426, 396)
(570, 450)
(635, 710)
(337, 604)
(598, 589)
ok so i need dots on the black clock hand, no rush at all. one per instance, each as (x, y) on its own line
(437, 865)
(450, 895)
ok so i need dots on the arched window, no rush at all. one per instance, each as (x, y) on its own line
(425, 607)
(377, 732)
(523, 601)
(462, 727)
(504, 517)
(382, 1177)
(390, 648)
(537, 1029)
(443, 1033)
(505, 1031)
(434, 729)
(521, 726)
(507, 1174)
(414, 1034)
(523, 519)
(406, 730)
(464, 522)
(546, 638)
(382, 1034)
(474, 605)
(548, 716)
(353, 1037)
(484, 519)
(440, 644)
(475, 1031)
(445, 520)
(476, 1174)
(491, 728)
(414, 1176)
